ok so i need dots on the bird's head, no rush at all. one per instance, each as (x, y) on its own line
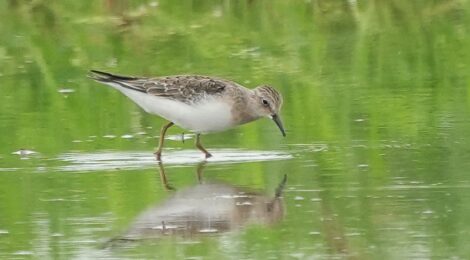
(269, 103)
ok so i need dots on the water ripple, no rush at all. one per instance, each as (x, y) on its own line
(111, 160)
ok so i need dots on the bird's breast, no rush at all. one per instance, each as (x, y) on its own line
(211, 115)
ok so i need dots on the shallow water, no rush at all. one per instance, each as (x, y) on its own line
(376, 108)
(101, 161)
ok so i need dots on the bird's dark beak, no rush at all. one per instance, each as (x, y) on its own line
(278, 122)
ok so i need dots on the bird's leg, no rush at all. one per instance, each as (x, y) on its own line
(199, 146)
(158, 153)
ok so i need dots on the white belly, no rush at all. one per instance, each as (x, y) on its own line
(211, 115)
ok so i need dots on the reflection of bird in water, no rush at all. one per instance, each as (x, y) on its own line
(205, 208)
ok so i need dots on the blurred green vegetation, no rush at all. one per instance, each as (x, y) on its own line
(383, 85)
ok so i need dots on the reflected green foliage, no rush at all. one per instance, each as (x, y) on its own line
(376, 107)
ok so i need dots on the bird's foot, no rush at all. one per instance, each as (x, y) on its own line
(158, 155)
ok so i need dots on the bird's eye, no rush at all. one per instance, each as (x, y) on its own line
(265, 102)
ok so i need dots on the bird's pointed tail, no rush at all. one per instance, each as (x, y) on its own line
(107, 77)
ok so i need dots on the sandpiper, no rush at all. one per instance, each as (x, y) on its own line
(200, 104)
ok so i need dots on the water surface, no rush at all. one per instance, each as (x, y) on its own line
(376, 107)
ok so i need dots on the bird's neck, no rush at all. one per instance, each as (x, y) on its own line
(243, 110)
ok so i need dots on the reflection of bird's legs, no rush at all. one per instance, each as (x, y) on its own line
(158, 153)
(200, 170)
(163, 178)
(200, 147)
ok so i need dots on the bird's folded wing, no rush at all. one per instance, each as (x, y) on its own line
(184, 88)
